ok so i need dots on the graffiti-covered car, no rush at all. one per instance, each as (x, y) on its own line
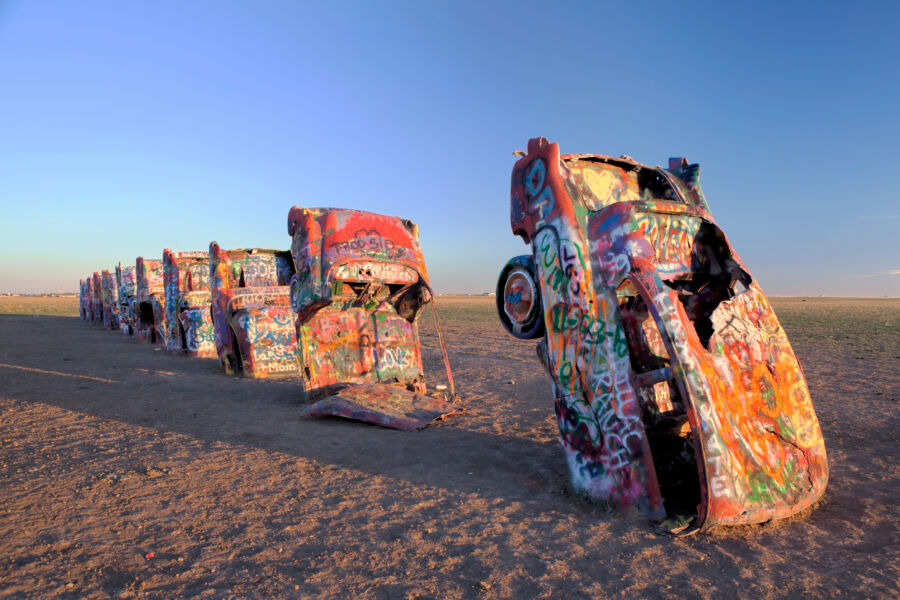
(96, 298)
(90, 301)
(359, 285)
(150, 315)
(189, 326)
(126, 290)
(251, 311)
(84, 300)
(676, 389)
(109, 294)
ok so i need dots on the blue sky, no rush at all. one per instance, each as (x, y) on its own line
(129, 127)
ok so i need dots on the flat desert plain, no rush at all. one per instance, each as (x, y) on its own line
(128, 472)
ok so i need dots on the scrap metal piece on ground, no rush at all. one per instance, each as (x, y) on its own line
(384, 405)
(151, 308)
(676, 389)
(251, 312)
(128, 311)
(359, 287)
(189, 325)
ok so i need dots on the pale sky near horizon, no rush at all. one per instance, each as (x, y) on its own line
(126, 128)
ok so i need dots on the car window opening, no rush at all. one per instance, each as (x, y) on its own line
(714, 278)
(612, 176)
(662, 407)
(147, 320)
(197, 278)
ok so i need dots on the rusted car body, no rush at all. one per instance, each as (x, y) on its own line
(150, 313)
(189, 325)
(96, 299)
(109, 294)
(126, 291)
(676, 389)
(251, 311)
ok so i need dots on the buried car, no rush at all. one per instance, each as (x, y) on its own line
(84, 299)
(110, 294)
(96, 289)
(127, 299)
(251, 311)
(189, 326)
(359, 286)
(150, 309)
(676, 389)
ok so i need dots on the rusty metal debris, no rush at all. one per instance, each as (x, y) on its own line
(359, 286)
(676, 389)
(384, 405)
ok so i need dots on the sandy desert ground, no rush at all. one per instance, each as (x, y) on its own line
(129, 472)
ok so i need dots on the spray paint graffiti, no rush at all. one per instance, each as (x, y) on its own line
(359, 286)
(676, 389)
(84, 300)
(151, 309)
(251, 314)
(109, 293)
(96, 299)
(189, 326)
(125, 284)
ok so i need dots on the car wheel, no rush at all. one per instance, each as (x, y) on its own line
(518, 298)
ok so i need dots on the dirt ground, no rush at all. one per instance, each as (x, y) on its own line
(126, 471)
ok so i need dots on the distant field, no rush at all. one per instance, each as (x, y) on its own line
(874, 322)
(871, 321)
(65, 306)
(829, 323)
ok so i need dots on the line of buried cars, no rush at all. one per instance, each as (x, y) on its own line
(676, 390)
(337, 311)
